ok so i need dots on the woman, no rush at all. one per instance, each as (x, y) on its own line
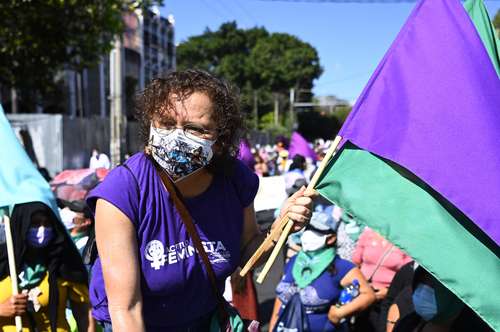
(147, 276)
(318, 275)
(295, 177)
(260, 166)
(50, 270)
(379, 260)
(426, 305)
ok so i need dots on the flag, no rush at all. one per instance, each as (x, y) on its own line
(479, 15)
(245, 154)
(20, 181)
(299, 145)
(420, 162)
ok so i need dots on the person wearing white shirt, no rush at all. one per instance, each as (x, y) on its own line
(99, 160)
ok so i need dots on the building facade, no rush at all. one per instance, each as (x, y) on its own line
(148, 50)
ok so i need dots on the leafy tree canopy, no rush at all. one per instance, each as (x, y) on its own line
(496, 22)
(39, 38)
(253, 59)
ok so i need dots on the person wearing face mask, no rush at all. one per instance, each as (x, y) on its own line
(51, 273)
(318, 275)
(148, 275)
(378, 260)
(428, 306)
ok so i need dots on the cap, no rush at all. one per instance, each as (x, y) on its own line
(322, 219)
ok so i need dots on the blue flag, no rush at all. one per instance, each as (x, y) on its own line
(20, 181)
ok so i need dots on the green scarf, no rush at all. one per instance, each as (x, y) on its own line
(309, 265)
(31, 277)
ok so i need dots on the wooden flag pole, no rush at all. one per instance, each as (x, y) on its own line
(286, 223)
(12, 266)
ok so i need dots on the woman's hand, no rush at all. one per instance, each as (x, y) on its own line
(14, 305)
(298, 208)
(334, 315)
(381, 293)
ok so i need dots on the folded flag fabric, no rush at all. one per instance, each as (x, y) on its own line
(421, 162)
(299, 145)
(246, 155)
(20, 181)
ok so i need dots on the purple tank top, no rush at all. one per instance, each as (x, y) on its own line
(175, 287)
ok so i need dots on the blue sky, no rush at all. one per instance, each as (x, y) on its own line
(351, 38)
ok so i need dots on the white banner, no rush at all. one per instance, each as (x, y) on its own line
(271, 193)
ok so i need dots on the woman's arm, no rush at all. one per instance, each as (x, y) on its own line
(365, 298)
(274, 315)
(117, 247)
(252, 237)
(392, 317)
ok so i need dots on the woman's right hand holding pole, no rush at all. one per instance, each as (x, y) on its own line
(14, 306)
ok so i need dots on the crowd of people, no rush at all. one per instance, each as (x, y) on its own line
(152, 247)
(394, 293)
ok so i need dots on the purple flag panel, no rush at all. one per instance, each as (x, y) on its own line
(433, 106)
(246, 155)
(299, 145)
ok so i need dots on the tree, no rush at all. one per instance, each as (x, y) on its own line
(223, 52)
(283, 61)
(496, 23)
(254, 60)
(39, 38)
(314, 124)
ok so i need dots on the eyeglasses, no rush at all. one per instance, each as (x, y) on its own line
(193, 130)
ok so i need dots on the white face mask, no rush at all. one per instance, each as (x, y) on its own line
(312, 241)
(177, 153)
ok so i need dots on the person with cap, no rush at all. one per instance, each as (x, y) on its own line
(318, 275)
(295, 177)
(77, 218)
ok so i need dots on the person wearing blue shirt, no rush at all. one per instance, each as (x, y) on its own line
(318, 275)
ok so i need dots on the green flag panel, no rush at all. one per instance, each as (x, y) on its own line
(405, 213)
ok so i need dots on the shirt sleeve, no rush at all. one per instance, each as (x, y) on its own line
(246, 183)
(77, 292)
(360, 246)
(343, 267)
(119, 188)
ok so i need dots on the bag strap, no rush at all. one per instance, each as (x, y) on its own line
(177, 199)
(381, 261)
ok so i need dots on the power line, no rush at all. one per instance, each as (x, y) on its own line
(246, 12)
(349, 1)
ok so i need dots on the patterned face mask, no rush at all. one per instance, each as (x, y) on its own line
(179, 153)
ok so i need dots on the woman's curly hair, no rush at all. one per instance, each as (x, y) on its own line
(156, 101)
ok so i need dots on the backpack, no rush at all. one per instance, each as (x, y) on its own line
(293, 318)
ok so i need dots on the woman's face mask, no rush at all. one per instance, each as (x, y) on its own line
(39, 237)
(424, 300)
(312, 241)
(178, 153)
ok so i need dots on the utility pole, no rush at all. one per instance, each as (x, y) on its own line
(292, 102)
(276, 109)
(255, 110)
(116, 115)
(13, 100)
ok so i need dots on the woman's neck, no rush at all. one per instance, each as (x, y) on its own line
(195, 184)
